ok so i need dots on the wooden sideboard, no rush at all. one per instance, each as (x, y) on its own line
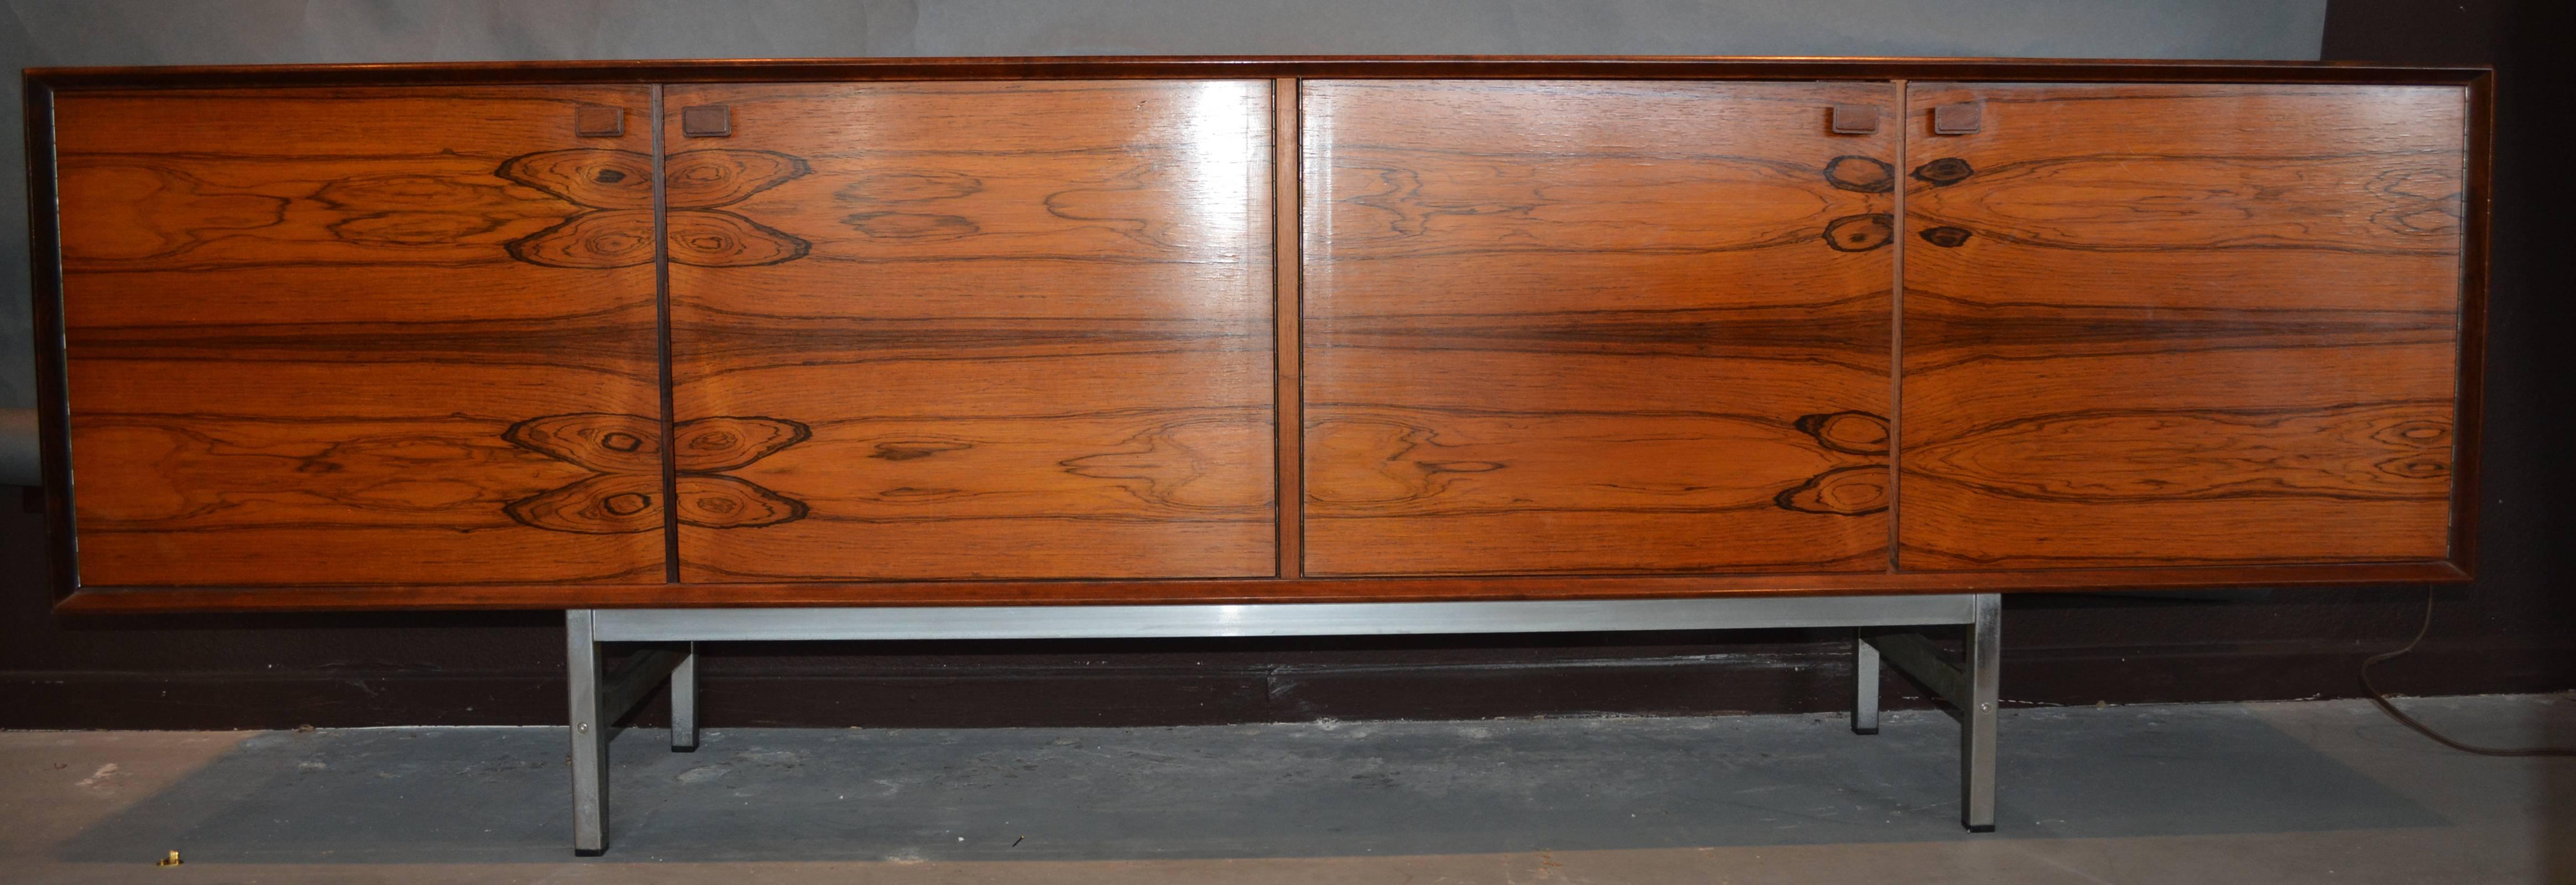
(959, 332)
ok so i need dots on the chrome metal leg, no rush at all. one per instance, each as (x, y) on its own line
(1865, 676)
(600, 699)
(1887, 639)
(589, 737)
(1969, 685)
(1977, 715)
(684, 701)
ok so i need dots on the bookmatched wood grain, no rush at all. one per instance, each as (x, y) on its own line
(1567, 327)
(2182, 325)
(305, 327)
(1025, 325)
(389, 336)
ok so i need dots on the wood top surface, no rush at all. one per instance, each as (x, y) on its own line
(1095, 67)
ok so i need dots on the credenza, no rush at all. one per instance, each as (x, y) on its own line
(1247, 346)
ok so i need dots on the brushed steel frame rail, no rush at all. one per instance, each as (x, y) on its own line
(670, 636)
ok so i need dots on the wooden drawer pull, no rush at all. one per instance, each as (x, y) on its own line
(598, 121)
(706, 121)
(1854, 119)
(1958, 119)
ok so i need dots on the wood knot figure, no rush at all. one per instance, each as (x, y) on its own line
(617, 186)
(625, 494)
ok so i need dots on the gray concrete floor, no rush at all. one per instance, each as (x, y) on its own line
(2278, 792)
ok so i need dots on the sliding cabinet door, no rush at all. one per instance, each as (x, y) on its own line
(378, 336)
(1569, 327)
(2180, 325)
(972, 329)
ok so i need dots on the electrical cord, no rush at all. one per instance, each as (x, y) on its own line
(2381, 698)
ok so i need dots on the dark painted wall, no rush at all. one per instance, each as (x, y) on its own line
(2507, 632)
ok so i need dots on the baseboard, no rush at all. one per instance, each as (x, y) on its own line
(1060, 694)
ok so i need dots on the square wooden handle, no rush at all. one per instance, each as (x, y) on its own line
(706, 121)
(598, 121)
(1958, 119)
(1855, 119)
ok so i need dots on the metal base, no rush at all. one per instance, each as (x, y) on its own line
(666, 650)
(1970, 687)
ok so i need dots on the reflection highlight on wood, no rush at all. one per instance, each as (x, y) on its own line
(1569, 327)
(1025, 337)
(1027, 329)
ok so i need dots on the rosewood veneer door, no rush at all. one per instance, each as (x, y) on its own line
(973, 330)
(2177, 325)
(1568, 327)
(374, 336)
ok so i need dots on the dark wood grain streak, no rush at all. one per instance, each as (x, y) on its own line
(1594, 327)
(1950, 332)
(2031, 332)
(1252, 591)
(733, 341)
(1288, 200)
(600, 342)
(301, 347)
(662, 338)
(2160, 341)
(1837, 333)
(1031, 333)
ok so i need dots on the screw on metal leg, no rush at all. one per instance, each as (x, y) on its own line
(590, 733)
(1977, 715)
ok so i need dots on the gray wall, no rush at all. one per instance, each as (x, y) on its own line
(146, 32)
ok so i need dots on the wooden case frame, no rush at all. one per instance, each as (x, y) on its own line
(42, 85)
